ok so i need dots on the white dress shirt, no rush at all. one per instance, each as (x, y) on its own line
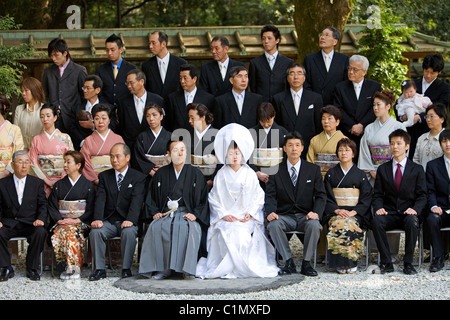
(20, 187)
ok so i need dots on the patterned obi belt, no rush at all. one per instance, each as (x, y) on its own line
(51, 165)
(159, 160)
(267, 157)
(380, 154)
(326, 161)
(346, 197)
(206, 164)
(72, 209)
(5, 157)
(101, 163)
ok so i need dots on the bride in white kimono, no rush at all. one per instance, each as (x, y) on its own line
(236, 243)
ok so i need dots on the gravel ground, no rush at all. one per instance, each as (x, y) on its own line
(363, 285)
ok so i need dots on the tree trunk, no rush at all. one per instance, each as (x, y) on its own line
(312, 16)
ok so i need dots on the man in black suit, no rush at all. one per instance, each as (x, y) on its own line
(354, 97)
(114, 72)
(118, 204)
(23, 213)
(63, 82)
(266, 72)
(295, 200)
(238, 105)
(163, 68)
(130, 111)
(399, 199)
(326, 67)
(438, 188)
(299, 109)
(176, 107)
(214, 74)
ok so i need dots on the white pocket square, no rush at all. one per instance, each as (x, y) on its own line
(311, 106)
(130, 186)
(308, 181)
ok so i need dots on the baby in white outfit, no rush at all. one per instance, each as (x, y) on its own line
(411, 102)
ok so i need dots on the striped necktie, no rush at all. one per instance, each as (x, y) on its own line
(119, 180)
(294, 176)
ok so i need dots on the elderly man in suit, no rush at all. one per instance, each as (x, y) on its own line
(399, 200)
(438, 188)
(299, 109)
(266, 72)
(118, 204)
(23, 213)
(295, 200)
(177, 101)
(354, 97)
(326, 67)
(130, 111)
(238, 105)
(114, 72)
(162, 69)
(63, 81)
(214, 74)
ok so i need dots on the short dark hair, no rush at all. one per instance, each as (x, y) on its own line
(174, 139)
(265, 111)
(59, 45)
(235, 70)
(126, 148)
(140, 75)
(440, 110)
(444, 135)
(295, 65)
(273, 29)
(96, 81)
(402, 134)
(116, 39)
(293, 135)
(101, 107)
(333, 110)
(223, 41)
(78, 157)
(433, 61)
(191, 68)
(346, 142)
(162, 37)
(336, 33)
(408, 84)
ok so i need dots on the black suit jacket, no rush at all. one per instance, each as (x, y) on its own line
(412, 193)
(226, 110)
(308, 194)
(321, 81)
(308, 120)
(64, 91)
(267, 82)
(34, 202)
(127, 202)
(176, 108)
(114, 89)
(172, 82)
(355, 111)
(438, 184)
(129, 126)
(211, 78)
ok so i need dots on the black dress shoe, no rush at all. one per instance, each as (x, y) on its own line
(437, 264)
(126, 273)
(97, 275)
(6, 273)
(33, 275)
(386, 267)
(408, 268)
(288, 268)
(307, 269)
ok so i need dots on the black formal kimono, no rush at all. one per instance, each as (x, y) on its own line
(172, 242)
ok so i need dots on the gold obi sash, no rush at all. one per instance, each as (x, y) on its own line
(72, 209)
(101, 163)
(206, 164)
(326, 161)
(347, 197)
(52, 166)
(267, 157)
(159, 160)
(5, 157)
(380, 154)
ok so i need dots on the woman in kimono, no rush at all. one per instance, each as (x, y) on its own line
(11, 138)
(28, 115)
(202, 140)
(347, 211)
(236, 243)
(70, 206)
(374, 148)
(322, 149)
(269, 138)
(150, 147)
(96, 147)
(47, 149)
